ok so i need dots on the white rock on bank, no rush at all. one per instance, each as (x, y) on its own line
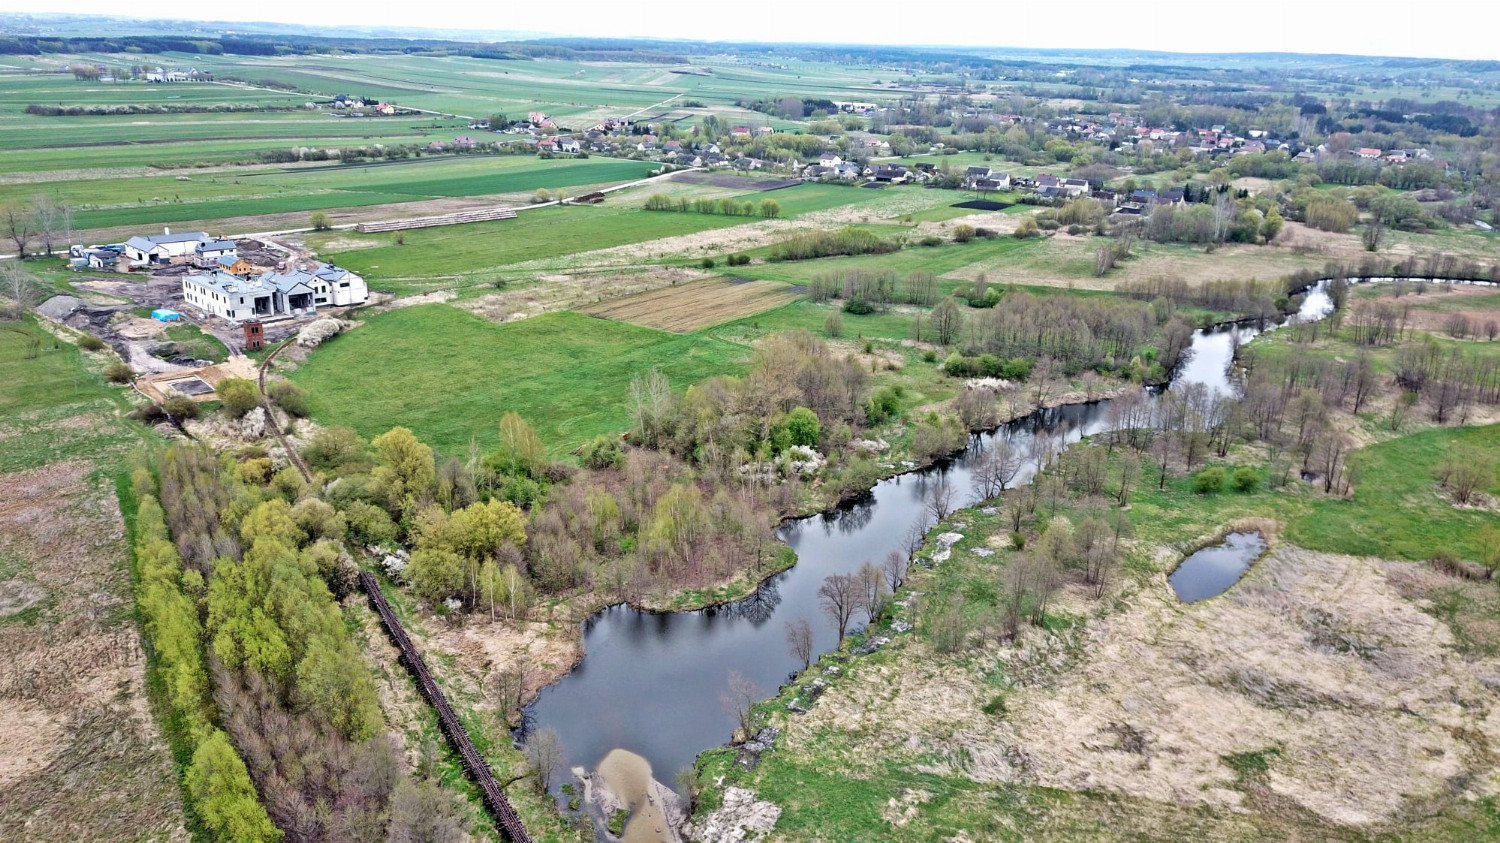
(740, 817)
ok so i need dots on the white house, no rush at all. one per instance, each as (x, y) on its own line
(208, 252)
(345, 288)
(229, 297)
(297, 292)
(164, 248)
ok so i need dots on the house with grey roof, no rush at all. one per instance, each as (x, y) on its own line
(166, 247)
(229, 297)
(295, 292)
(208, 252)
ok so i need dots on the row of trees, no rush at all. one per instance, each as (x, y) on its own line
(45, 218)
(728, 206)
(259, 559)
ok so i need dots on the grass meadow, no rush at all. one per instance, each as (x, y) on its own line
(449, 375)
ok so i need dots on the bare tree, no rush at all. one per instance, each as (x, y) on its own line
(895, 568)
(737, 699)
(840, 597)
(50, 219)
(510, 688)
(799, 641)
(18, 285)
(940, 499)
(1041, 381)
(875, 596)
(997, 468)
(16, 224)
(544, 751)
(916, 535)
(1130, 472)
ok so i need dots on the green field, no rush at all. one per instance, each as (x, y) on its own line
(439, 255)
(153, 200)
(449, 375)
(40, 395)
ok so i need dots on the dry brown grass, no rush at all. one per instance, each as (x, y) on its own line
(576, 291)
(690, 307)
(80, 757)
(1333, 669)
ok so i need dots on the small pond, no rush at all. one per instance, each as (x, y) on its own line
(1212, 570)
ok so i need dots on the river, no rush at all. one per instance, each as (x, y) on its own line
(651, 683)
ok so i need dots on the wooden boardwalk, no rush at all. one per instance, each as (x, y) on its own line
(506, 819)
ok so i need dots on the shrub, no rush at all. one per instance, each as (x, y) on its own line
(1017, 540)
(834, 324)
(929, 356)
(858, 307)
(708, 263)
(369, 524)
(884, 404)
(89, 342)
(335, 448)
(822, 244)
(1026, 229)
(1075, 229)
(1209, 481)
(320, 221)
(738, 260)
(119, 372)
(964, 233)
(290, 397)
(804, 427)
(238, 395)
(1245, 480)
(931, 240)
(986, 233)
(602, 452)
(181, 407)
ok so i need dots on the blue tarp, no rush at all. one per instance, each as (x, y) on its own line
(164, 315)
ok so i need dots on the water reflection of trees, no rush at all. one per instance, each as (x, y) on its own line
(759, 606)
(851, 517)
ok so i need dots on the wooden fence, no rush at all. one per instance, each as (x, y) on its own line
(478, 769)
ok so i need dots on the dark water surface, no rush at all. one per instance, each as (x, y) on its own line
(1212, 570)
(652, 683)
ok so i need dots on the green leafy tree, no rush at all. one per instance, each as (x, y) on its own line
(520, 451)
(404, 469)
(238, 395)
(223, 796)
(804, 427)
(435, 574)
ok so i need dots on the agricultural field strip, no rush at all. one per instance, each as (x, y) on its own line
(694, 306)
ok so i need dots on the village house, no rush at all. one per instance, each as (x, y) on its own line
(567, 144)
(1368, 153)
(234, 265)
(164, 248)
(208, 252)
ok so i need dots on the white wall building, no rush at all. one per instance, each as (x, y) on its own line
(297, 292)
(166, 247)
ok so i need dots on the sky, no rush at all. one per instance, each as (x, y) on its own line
(1461, 29)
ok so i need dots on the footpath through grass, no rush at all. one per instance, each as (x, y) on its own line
(449, 375)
